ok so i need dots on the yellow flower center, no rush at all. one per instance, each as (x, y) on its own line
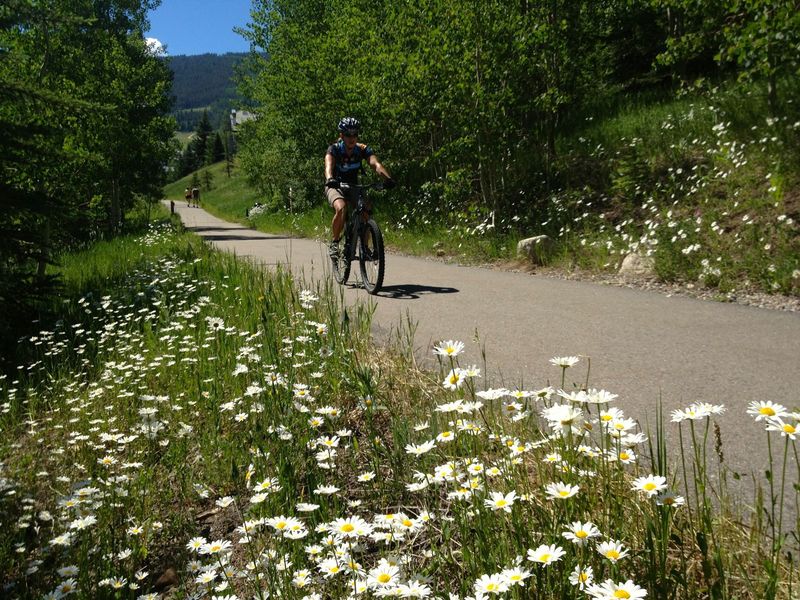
(563, 493)
(612, 554)
(384, 578)
(280, 525)
(407, 522)
(621, 594)
(624, 456)
(347, 528)
(544, 558)
(501, 502)
(584, 577)
(491, 587)
(649, 486)
(581, 534)
(789, 428)
(768, 411)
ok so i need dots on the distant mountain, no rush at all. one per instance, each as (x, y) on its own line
(204, 81)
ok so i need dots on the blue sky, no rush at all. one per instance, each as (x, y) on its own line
(200, 26)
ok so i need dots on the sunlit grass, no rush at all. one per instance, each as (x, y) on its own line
(192, 417)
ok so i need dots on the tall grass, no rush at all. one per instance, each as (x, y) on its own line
(195, 424)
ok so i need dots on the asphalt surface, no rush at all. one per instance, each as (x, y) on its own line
(643, 345)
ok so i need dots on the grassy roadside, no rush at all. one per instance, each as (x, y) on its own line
(195, 424)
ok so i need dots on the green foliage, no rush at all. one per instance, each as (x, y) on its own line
(441, 87)
(85, 131)
(506, 120)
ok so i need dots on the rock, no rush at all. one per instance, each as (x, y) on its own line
(167, 581)
(536, 249)
(636, 264)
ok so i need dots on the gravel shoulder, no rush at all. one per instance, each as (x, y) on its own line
(690, 290)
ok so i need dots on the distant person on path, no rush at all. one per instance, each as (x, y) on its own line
(187, 195)
(343, 162)
(196, 197)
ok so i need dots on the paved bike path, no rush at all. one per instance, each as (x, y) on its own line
(643, 345)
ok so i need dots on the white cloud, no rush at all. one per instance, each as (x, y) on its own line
(155, 46)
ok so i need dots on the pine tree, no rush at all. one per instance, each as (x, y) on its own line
(216, 151)
(228, 145)
(202, 134)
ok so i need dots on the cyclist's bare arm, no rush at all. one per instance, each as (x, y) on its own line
(330, 166)
(378, 167)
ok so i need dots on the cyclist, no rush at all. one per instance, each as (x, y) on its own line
(343, 162)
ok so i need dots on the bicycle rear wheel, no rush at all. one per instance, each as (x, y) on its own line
(341, 262)
(371, 257)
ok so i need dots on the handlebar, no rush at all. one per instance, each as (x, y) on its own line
(377, 185)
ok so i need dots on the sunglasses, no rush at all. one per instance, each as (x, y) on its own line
(350, 134)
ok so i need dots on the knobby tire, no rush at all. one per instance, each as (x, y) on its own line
(341, 264)
(371, 257)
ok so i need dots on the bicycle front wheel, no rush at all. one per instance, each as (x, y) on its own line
(371, 257)
(341, 261)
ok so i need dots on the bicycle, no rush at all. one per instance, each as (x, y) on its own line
(362, 240)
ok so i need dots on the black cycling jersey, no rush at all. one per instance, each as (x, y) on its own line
(348, 167)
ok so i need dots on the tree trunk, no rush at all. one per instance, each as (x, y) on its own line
(115, 215)
(44, 249)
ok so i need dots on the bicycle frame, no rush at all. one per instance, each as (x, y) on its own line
(358, 215)
(362, 240)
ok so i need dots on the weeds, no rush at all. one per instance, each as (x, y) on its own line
(200, 417)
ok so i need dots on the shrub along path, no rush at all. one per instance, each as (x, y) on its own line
(643, 345)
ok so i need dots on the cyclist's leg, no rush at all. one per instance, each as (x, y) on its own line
(337, 202)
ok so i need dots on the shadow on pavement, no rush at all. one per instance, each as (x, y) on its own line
(196, 229)
(410, 291)
(244, 238)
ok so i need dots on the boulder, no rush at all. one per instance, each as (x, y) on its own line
(637, 265)
(536, 249)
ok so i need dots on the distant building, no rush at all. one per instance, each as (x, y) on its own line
(240, 116)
